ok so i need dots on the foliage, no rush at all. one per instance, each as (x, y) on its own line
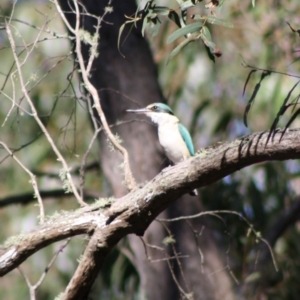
(207, 97)
(150, 17)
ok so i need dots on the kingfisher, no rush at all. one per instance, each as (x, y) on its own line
(173, 136)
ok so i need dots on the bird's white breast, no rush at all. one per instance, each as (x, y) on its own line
(172, 141)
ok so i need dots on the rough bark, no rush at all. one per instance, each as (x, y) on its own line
(135, 211)
(127, 78)
(123, 78)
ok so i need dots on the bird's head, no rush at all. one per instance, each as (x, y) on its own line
(158, 112)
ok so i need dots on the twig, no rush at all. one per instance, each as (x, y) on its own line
(26, 198)
(32, 181)
(167, 259)
(215, 213)
(33, 287)
(84, 158)
(60, 249)
(129, 180)
(245, 65)
(34, 114)
(176, 256)
(195, 235)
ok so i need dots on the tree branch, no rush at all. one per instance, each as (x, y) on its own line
(34, 114)
(134, 212)
(26, 198)
(85, 69)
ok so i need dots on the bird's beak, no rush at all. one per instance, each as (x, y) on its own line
(139, 111)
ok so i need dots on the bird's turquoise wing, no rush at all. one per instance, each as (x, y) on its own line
(187, 138)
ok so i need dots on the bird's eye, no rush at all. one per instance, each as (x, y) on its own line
(154, 107)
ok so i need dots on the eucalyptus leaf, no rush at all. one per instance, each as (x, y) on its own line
(184, 31)
(183, 18)
(250, 103)
(281, 111)
(253, 277)
(174, 17)
(206, 33)
(217, 21)
(177, 49)
(247, 80)
(153, 27)
(209, 54)
(145, 23)
(208, 43)
(291, 120)
(253, 96)
(210, 46)
(122, 28)
(186, 4)
(207, 40)
(161, 10)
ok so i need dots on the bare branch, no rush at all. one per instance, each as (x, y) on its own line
(34, 113)
(83, 162)
(32, 181)
(129, 180)
(33, 287)
(184, 295)
(134, 212)
(26, 198)
(215, 213)
(59, 227)
(60, 249)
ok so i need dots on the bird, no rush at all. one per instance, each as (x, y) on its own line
(174, 138)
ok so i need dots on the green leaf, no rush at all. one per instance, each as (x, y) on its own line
(253, 3)
(174, 17)
(207, 40)
(183, 18)
(281, 111)
(147, 7)
(145, 23)
(177, 49)
(151, 22)
(210, 46)
(247, 80)
(122, 28)
(184, 31)
(250, 103)
(253, 277)
(291, 120)
(153, 27)
(252, 98)
(184, 5)
(206, 33)
(216, 21)
(210, 55)
(161, 10)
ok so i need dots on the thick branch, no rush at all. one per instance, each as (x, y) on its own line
(134, 212)
(19, 248)
(95, 254)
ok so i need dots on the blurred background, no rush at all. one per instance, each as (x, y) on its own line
(208, 99)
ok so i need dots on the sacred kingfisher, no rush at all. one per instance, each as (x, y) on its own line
(173, 136)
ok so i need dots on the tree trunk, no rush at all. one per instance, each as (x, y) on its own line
(127, 78)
